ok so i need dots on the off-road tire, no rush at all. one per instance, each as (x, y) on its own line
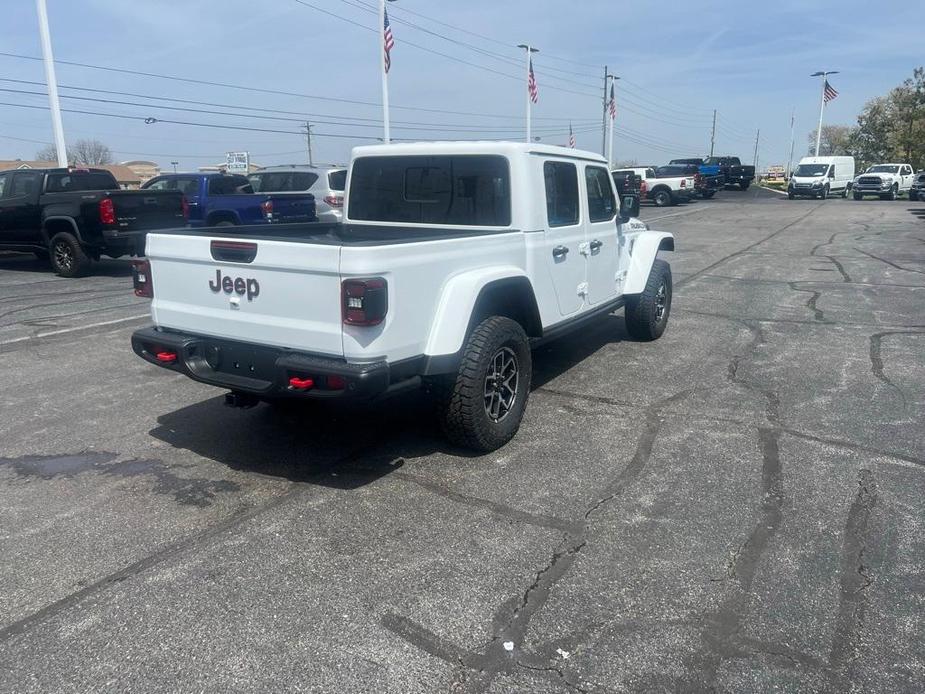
(662, 198)
(461, 398)
(643, 319)
(67, 256)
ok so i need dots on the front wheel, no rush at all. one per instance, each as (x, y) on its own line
(67, 256)
(744, 185)
(858, 196)
(482, 406)
(791, 196)
(646, 314)
(824, 194)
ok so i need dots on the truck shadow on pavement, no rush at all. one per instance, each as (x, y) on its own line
(345, 447)
(26, 262)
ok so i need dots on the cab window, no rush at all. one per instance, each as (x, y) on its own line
(3, 180)
(561, 193)
(601, 203)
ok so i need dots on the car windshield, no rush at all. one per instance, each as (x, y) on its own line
(811, 170)
(883, 168)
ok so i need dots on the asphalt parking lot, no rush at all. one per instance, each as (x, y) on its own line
(735, 507)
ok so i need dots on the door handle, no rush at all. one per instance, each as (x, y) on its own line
(559, 252)
(596, 245)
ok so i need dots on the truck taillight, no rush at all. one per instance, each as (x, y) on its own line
(365, 301)
(267, 208)
(107, 211)
(141, 279)
(684, 183)
(184, 203)
(334, 200)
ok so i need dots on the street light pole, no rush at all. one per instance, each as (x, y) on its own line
(825, 78)
(174, 163)
(52, 84)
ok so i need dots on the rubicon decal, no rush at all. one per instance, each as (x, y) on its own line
(238, 285)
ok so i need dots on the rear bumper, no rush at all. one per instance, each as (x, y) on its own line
(260, 370)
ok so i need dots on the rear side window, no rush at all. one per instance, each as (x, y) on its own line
(229, 185)
(3, 180)
(337, 180)
(449, 189)
(601, 204)
(63, 183)
(283, 181)
(25, 183)
(561, 193)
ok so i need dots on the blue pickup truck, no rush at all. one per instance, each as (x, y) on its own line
(218, 199)
(712, 177)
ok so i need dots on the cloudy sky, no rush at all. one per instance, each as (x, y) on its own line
(456, 73)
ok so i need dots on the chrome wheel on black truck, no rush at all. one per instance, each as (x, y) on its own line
(483, 405)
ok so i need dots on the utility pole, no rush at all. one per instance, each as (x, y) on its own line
(713, 133)
(308, 137)
(757, 135)
(52, 83)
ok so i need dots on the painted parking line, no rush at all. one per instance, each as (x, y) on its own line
(63, 331)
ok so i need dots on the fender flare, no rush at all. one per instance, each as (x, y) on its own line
(458, 299)
(60, 218)
(645, 247)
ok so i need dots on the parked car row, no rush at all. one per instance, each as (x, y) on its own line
(74, 216)
(820, 177)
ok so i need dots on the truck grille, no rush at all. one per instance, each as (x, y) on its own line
(869, 181)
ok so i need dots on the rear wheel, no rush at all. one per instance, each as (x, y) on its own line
(482, 406)
(67, 256)
(224, 223)
(709, 194)
(662, 198)
(646, 315)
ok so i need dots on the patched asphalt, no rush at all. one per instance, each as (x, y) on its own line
(735, 507)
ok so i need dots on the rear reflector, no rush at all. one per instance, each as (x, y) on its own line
(141, 279)
(234, 251)
(336, 382)
(166, 357)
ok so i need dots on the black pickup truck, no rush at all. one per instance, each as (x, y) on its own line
(73, 216)
(735, 172)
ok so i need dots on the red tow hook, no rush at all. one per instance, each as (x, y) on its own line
(297, 383)
(166, 357)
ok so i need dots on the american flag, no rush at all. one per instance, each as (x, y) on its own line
(387, 42)
(531, 85)
(613, 104)
(829, 93)
(571, 137)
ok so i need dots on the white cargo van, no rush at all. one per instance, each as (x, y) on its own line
(819, 177)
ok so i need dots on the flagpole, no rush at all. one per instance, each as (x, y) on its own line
(529, 50)
(825, 78)
(790, 160)
(52, 84)
(386, 136)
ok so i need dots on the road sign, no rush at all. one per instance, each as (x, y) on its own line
(237, 162)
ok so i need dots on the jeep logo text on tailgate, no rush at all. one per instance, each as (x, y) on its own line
(239, 285)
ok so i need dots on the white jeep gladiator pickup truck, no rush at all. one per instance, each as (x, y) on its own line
(453, 260)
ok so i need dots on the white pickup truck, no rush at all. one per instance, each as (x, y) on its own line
(886, 181)
(663, 190)
(453, 260)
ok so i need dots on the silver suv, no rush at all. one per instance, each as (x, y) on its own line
(325, 183)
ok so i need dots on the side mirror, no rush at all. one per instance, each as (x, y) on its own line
(629, 207)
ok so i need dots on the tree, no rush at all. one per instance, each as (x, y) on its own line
(871, 137)
(83, 152)
(836, 141)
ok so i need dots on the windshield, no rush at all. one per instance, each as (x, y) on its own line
(811, 170)
(883, 168)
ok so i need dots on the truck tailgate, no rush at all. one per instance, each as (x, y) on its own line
(271, 292)
(142, 210)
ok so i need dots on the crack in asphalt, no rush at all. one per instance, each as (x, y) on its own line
(876, 360)
(890, 262)
(811, 302)
(846, 278)
(856, 576)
